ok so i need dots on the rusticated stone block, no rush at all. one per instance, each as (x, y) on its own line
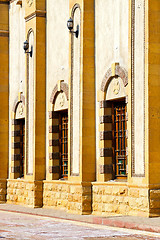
(54, 156)
(155, 194)
(106, 169)
(107, 135)
(106, 152)
(105, 104)
(105, 119)
(54, 129)
(53, 115)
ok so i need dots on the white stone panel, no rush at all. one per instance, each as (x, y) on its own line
(139, 87)
(61, 102)
(75, 112)
(16, 59)
(31, 110)
(57, 51)
(115, 89)
(111, 36)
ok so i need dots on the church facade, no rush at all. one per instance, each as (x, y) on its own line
(80, 105)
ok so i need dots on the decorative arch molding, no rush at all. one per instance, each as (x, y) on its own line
(18, 99)
(16, 156)
(74, 8)
(57, 89)
(115, 70)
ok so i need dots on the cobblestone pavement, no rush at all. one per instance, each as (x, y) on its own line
(24, 226)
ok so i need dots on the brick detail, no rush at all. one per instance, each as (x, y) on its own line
(15, 122)
(105, 104)
(15, 133)
(105, 119)
(106, 152)
(106, 169)
(15, 169)
(54, 155)
(53, 115)
(107, 135)
(54, 143)
(54, 169)
(16, 145)
(16, 157)
(54, 129)
(126, 116)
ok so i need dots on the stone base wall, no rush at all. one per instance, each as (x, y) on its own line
(25, 192)
(69, 196)
(3, 191)
(103, 199)
(119, 200)
(55, 194)
(154, 202)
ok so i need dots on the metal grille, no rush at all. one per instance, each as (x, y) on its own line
(64, 145)
(120, 139)
(22, 146)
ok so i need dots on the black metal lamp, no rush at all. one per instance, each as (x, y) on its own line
(70, 27)
(26, 46)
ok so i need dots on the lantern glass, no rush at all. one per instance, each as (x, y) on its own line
(26, 46)
(70, 24)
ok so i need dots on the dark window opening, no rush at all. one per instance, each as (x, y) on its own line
(22, 146)
(119, 140)
(63, 140)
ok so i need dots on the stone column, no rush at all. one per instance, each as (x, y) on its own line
(153, 72)
(36, 96)
(81, 107)
(4, 95)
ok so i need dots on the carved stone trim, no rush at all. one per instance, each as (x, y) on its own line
(17, 101)
(106, 152)
(119, 71)
(63, 88)
(132, 89)
(76, 6)
(37, 13)
(4, 33)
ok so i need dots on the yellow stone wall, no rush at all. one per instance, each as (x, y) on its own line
(138, 196)
(4, 95)
(118, 198)
(20, 191)
(64, 195)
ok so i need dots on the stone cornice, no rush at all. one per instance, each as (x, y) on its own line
(4, 2)
(37, 13)
(4, 33)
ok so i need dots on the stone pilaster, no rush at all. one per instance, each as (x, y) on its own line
(4, 95)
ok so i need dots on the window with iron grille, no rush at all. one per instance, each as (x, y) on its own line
(22, 146)
(119, 140)
(63, 139)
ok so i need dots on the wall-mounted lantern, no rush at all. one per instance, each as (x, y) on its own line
(26, 46)
(70, 27)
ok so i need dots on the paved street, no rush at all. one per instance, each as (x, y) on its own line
(24, 226)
